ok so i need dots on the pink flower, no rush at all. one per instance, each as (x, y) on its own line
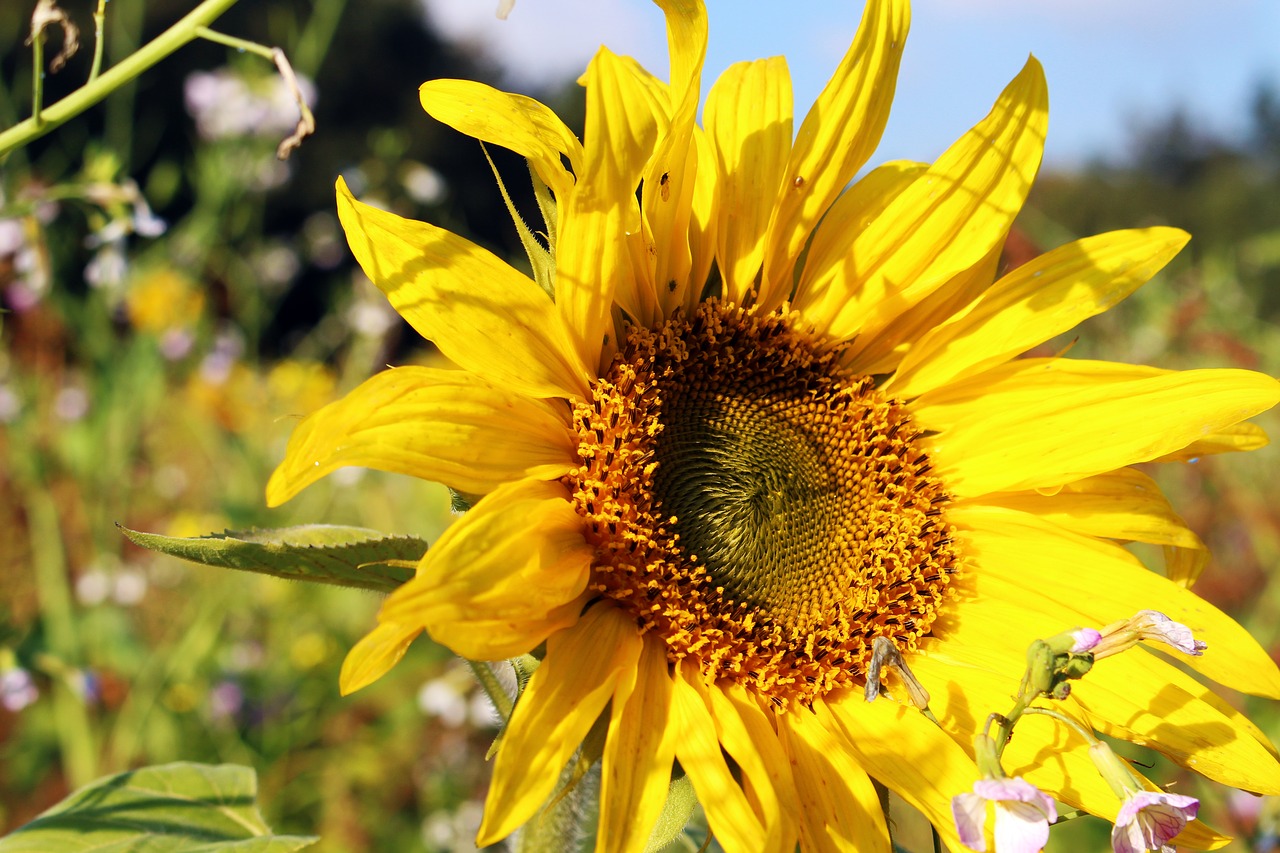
(1085, 640)
(1149, 820)
(1154, 625)
(1147, 625)
(1023, 815)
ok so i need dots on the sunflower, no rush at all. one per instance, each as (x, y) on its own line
(749, 416)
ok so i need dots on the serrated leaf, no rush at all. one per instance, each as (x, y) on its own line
(192, 808)
(321, 553)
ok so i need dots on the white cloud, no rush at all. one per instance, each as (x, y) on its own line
(545, 41)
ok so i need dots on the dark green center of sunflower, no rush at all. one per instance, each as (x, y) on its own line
(768, 513)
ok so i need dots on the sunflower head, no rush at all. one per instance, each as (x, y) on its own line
(758, 425)
(764, 511)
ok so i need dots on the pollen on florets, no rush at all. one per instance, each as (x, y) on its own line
(765, 512)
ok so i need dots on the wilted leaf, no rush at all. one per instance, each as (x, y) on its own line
(192, 808)
(323, 553)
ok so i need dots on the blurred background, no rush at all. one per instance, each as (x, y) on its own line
(177, 299)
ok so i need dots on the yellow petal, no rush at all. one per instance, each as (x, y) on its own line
(449, 426)
(841, 810)
(748, 120)
(1020, 383)
(670, 176)
(1019, 557)
(1126, 505)
(837, 136)
(1198, 835)
(1151, 704)
(1055, 421)
(594, 261)
(638, 753)
(374, 655)
(626, 111)
(478, 638)
(1236, 438)
(704, 209)
(515, 122)
(747, 734)
(849, 216)
(944, 223)
(517, 557)
(729, 813)
(481, 313)
(1184, 564)
(1038, 300)
(558, 707)
(951, 297)
(908, 754)
(600, 218)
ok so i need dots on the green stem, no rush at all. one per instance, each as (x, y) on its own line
(37, 76)
(1005, 724)
(49, 560)
(124, 39)
(317, 36)
(200, 632)
(233, 42)
(180, 34)
(99, 25)
(1089, 736)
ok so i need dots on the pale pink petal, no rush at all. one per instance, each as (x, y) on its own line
(1149, 820)
(1021, 827)
(970, 813)
(1154, 625)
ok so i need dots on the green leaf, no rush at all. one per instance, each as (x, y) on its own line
(323, 553)
(192, 808)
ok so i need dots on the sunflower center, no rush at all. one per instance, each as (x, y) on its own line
(766, 512)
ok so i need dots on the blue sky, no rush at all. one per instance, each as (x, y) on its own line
(1110, 63)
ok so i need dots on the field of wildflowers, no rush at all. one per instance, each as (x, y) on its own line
(177, 298)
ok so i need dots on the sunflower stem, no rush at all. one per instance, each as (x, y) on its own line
(493, 688)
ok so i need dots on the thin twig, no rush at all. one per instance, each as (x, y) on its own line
(306, 121)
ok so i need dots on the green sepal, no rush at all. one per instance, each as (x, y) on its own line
(460, 502)
(676, 812)
(321, 553)
(547, 207)
(524, 667)
(540, 258)
(193, 808)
